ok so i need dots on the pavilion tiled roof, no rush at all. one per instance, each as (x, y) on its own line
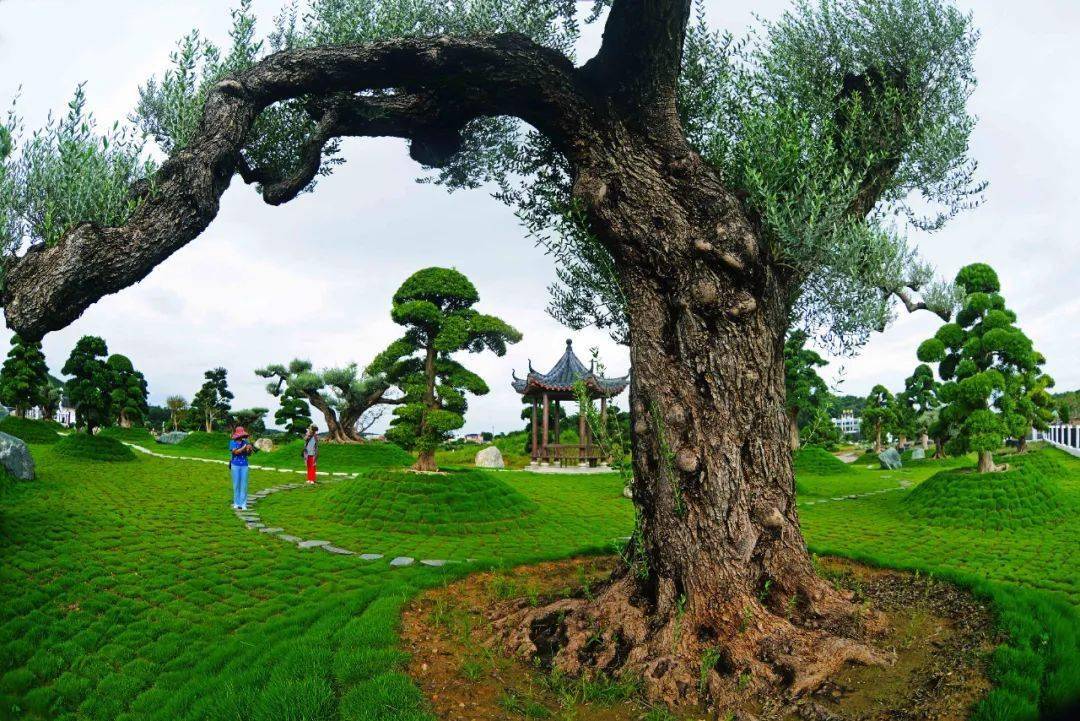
(564, 374)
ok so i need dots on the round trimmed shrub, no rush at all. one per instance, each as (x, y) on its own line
(93, 448)
(30, 431)
(457, 502)
(819, 462)
(1027, 494)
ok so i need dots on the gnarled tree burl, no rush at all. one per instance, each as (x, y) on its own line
(712, 273)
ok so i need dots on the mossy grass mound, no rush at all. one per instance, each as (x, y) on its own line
(129, 435)
(339, 456)
(819, 462)
(1027, 494)
(456, 502)
(30, 431)
(93, 448)
(215, 441)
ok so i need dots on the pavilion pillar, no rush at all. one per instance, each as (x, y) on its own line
(603, 419)
(558, 431)
(543, 448)
(535, 430)
(583, 441)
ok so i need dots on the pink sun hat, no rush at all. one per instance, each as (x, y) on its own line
(239, 433)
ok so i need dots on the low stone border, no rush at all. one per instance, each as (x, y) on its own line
(253, 521)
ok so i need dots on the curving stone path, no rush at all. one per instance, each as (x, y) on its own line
(253, 521)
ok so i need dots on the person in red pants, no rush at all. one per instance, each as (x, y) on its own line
(311, 451)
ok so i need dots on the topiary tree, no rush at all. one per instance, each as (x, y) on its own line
(878, 416)
(293, 415)
(91, 381)
(348, 399)
(805, 390)
(127, 391)
(212, 402)
(987, 365)
(920, 399)
(24, 378)
(436, 307)
(252, 419)
(1027, 404)
(178, 409)
(735, 187)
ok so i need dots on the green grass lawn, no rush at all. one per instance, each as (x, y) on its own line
(129, 590)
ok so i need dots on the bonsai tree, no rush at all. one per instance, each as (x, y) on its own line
(127, 391)
(804, 388)
(733, 188)
(91, 383)
(252, 419)
(24, 378)
(1027, 404)
(920, 398)
(212, 402)
(878, 416)
(54, 396)
(347, 398)
(986, 364)
(436, 307)
(178, 409)
(293, 415)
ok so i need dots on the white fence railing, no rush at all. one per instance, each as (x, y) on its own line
(1065, 436)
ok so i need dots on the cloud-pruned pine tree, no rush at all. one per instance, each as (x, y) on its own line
(24, 378)
(436, 307)
(992, 380)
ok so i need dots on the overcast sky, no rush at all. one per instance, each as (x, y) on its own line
(314, 278)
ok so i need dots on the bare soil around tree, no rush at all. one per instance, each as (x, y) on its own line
(939, 635)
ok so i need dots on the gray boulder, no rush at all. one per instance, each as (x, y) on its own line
(264, 444)
(172, 437)
(16, 458)
(918, 454)
(890, 459)
(490, 457)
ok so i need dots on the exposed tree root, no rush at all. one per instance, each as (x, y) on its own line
(720, 654)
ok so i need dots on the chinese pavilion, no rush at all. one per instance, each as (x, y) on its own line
(557, 385)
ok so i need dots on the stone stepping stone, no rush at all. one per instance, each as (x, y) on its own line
(312, 544)
(271, 530)
(289, 539)
(253, 526)
(335, 549)
(401, 561)
(370, 556)
(337, 473)
(433, 562)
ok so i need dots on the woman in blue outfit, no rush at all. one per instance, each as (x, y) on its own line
(239, 449)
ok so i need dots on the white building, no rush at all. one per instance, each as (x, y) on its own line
(848, 423)
(64, 415)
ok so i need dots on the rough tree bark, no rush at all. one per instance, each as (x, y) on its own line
(425, 459)
(986, 461)
(721, 570)
(793, 428)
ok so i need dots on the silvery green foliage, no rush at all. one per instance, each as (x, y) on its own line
(63, 174)
(778, 115)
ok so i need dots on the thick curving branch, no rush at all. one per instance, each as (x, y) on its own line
(506, 74)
